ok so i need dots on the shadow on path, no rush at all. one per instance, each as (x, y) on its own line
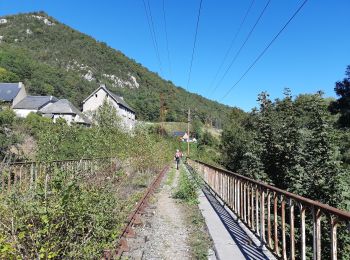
(242, 239)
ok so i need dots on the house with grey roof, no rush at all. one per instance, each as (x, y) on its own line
(12, 93)
(66, 110)
(33, 104)
(123, 110)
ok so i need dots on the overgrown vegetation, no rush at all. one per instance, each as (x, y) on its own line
(199, 239)
(75, 215)
(186, 189)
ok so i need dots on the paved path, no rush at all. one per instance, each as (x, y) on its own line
(232, 240)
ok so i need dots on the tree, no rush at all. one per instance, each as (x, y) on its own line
(197, 126)
(342, 104)
(207, 139)
(8, 76)
(235, 140)
(7, 136)
(106, 116)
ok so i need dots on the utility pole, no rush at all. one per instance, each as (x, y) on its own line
(161, 113)
(188, 131)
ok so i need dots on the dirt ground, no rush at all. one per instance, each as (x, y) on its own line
(164, 233)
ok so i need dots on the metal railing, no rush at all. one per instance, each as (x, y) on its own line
(263, 209)
(24, 175)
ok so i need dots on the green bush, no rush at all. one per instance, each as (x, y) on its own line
(187, 189)
(7, 116)
(57, 219)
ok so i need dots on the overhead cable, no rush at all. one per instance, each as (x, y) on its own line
(166, 39)
(231, 44)
(242, 46)
(194, 44)
(266, 48)
(152, 31)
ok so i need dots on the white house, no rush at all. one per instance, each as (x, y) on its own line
(12, 93)
(33, 104)
(96, 99)
(66, 110)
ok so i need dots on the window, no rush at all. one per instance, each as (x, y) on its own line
(95, 95)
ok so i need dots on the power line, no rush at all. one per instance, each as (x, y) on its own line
(189, 76)
(166, 39)
(231, 44)
(152, 31)
(266, 48)
(242, 46)
(194, 43)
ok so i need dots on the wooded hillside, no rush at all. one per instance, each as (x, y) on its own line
(54, 59)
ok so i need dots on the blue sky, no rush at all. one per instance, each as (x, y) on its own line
(310, 55)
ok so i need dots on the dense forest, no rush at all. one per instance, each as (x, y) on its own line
(54, 59)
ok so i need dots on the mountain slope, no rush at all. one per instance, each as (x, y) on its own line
(52, 58)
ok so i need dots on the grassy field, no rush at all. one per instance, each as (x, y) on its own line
(171, 127)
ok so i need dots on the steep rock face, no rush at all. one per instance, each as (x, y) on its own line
(54, 59)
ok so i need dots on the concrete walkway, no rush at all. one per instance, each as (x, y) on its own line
(232, 240)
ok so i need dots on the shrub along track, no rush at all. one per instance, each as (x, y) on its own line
(71, 213)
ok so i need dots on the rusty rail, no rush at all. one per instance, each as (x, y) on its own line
(134, 219)
(263, 209)
(25, 174)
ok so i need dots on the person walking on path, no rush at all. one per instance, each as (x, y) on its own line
(177, 158)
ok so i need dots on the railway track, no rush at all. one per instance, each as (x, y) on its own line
(134, 219)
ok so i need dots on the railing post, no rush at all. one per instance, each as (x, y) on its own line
(262, 217)
(252, 207)
(230, 192)
(316, 213)
(257, 210)
(226, 188)
(334, 224)
(269, 240)
(236, 195)
(248, 206)
(302, 231)
(31, 174)
(241, 198)
(283, 217)
(275, 200)
(291, 223)
(245, 201)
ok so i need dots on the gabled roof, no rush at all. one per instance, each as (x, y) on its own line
(116, 98)
(8, 91)
(62, 106)
(35, 102)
